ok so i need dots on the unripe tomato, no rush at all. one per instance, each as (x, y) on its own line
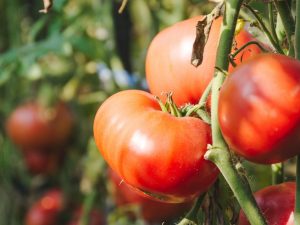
(33, 126)
(154, 151)
(46, 210)
(168, 67)
(151, 211)
(259, 109)
(277, 204)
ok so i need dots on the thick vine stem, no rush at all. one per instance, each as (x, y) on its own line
(219, 154)
(237, 183)
(288, 23)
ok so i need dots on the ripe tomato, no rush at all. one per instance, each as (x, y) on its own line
(95, 217)
(32, 125)
(259, 109)
(151, 211)
(277, 203)
(46, 210)
(168, 67)
(154, 151)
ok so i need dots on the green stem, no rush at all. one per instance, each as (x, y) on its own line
(191, 217)
(205, 94)
(245, 46)
(288, 22)
(219, 154)
(265, 29)
(271, 20)
(87, 207)
(238, 184)
(277, 173)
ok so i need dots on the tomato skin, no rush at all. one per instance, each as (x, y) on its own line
(277, 203)
(46, 210)
(154, 151)
(33, 126)
(259, 109)
(152, 211)
(168, 67)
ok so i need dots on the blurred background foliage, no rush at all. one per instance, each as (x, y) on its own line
(80, 52)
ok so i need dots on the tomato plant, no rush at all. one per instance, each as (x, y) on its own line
(151, 211)
(168, 67)
(46, 210)
(33, 125)
(154, 151)
(277, 203)
(259, 109)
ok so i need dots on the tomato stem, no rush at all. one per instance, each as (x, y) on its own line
(245, 46)
(219, 153)
(277, 173)
(191, 217)
(288, 22)
(205, 94)
(271, 20)
(238, 184)
(87, 207)
(265, 29)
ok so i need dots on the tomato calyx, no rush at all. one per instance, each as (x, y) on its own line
(198, 110)
(170, 106)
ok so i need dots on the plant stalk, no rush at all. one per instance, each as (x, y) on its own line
(288, 23)
(277, 173)
(219, 153)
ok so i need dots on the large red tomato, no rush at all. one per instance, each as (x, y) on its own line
(168, 67)
(259, 109)
(277, 203)
(46, 210)
(31, 125)
(151, 210)
(154, 151)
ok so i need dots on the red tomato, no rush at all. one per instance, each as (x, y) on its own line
(46, 210)
(277, 203)
(259, 109)
(43, 161)
(168, 67)
(152, 211)
(154, 151)
(95, 217)
(32, 125)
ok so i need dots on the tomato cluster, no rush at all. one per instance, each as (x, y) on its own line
(41, 133)
(155, 152)
(162, 155)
